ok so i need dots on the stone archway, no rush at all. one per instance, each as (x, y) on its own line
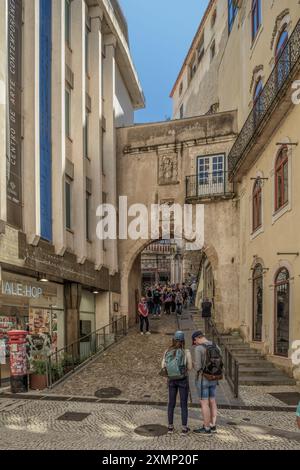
(155, 163)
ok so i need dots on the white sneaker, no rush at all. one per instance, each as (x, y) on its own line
(148, 333)
(142, 333)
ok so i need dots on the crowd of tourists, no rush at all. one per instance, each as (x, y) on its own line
(166, 299)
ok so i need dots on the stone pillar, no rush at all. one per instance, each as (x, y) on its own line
(109, 147)
(78, 112)
(31, 147)
(58, 126)
(72, 304)
(3, 106)
(95, 125)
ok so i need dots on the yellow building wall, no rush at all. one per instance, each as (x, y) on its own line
(279, 235)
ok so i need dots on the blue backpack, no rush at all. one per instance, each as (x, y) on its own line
(175, 361)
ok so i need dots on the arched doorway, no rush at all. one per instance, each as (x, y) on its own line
(257, 303)
(282, 313)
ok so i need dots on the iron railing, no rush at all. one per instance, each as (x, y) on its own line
(231, 365)
(66, 360)
(209, 185)
(276, 86)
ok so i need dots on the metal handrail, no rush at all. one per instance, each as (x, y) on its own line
(65, 361)
(230, 363)
(277, 82)
(209, 184)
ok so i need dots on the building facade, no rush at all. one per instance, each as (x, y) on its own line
(257, 74)
(67, 82)
(162, 263)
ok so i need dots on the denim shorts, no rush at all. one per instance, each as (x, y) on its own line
(206, 388)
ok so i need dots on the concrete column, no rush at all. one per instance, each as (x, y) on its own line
(95, 127)
(72, 303)
(109, 147)
(31, 148)
(77, 126)
(3, 106)
(58, 126)
(102, 310)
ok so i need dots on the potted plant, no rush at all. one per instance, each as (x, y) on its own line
(38, 377)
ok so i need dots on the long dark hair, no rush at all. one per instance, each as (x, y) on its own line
(176, 344)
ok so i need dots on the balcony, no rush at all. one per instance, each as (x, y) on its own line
(208, 187)
(270, 108)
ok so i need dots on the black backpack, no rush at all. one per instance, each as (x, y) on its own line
(213, 369)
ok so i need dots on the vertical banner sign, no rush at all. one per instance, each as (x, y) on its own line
(14, 90)
(45, 119)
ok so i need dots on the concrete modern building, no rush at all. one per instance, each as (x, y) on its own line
(66, 82)
(249, 61)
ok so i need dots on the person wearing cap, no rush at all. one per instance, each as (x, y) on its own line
(179, 385)
(206, 388)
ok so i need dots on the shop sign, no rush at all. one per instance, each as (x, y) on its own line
(20, 290)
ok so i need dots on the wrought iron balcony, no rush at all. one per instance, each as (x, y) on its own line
(209, 186)
(284, 72)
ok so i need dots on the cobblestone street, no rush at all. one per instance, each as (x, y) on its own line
(35, 426)
(132, 366)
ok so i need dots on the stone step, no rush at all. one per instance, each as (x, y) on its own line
(245, 352)
(263, 371)
(255, 363)
(253, 380)
(247, 356)
(237, 346)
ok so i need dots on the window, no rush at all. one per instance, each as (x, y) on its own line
(282, 313)
(281, 179)
(87, 214)
(213, 50)
(181, 113)
(68, 22)
(257, 205)
(201, 50)
(180, 89)
(256, 17)
(68, 204)
(257, 302)
(283, 62)
(211, 175)
(86, 136)
(232, 12)
(258, 100)
(68, 112)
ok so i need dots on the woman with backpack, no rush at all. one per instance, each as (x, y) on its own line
(176, 363)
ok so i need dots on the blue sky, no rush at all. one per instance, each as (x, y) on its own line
(160, 32)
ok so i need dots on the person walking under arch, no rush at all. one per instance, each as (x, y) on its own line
(144, 316)
(176, 363)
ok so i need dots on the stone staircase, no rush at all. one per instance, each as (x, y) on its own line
(254, 369)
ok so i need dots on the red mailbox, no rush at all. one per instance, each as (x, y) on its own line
(18, 360)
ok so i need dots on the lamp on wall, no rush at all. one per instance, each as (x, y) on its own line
(42, 278)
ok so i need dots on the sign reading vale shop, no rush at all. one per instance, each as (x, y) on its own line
(21, 290)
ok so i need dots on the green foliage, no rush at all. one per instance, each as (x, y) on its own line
(39, 367)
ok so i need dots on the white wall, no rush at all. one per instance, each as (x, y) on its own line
(124, 113)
